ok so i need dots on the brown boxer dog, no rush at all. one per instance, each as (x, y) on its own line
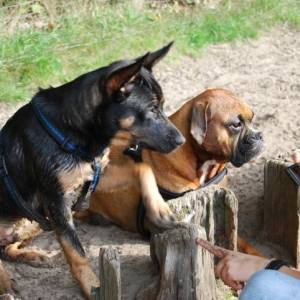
(217, 127)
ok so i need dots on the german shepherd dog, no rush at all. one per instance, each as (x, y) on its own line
(54, 149)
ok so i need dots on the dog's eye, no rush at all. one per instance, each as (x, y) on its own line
(153, 108)
(236, 125)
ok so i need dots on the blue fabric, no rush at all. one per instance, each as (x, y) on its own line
(96, 176)
(54, 132)
(271, 285)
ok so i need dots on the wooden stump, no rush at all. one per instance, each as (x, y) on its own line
(185, 270)
(110, 275)
(282, 208)
(213, 208)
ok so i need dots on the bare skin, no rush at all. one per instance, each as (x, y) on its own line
(235, 268)
(296, 158)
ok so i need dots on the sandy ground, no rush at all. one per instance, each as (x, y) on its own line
(265, 72)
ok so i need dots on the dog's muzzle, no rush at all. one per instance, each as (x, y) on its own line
(251, 146)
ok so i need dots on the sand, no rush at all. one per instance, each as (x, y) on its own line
(266, 73)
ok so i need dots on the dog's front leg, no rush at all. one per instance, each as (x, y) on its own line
(80, 267)
(66, 234)
(141, 176)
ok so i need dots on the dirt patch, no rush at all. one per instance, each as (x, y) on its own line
(265, 72)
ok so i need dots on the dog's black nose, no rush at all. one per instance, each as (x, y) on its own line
(179, 140)
(258, 136)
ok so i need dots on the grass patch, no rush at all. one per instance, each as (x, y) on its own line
(51, 44)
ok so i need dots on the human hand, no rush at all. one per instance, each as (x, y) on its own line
(234, 268)
(296, 158)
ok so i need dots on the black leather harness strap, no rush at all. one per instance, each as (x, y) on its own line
(171, 195)
(135, 154)
(140, 218)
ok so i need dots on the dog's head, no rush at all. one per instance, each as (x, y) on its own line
(122, 97)
(221, 124)
(132, 103)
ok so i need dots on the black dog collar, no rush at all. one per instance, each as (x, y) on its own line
(215, 180)
(136, 155)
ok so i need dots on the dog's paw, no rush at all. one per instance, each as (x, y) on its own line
(8, 297)
(8, 286)
(35, 260)
(162, 216)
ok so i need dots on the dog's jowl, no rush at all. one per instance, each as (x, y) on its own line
(54, 150)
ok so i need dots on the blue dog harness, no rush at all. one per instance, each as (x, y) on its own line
(30, 213)
(65, 143)
(135, 154)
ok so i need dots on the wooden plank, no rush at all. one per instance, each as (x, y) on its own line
(282, 208)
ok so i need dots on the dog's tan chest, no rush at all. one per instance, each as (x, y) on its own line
(76, 177)
(205, 169)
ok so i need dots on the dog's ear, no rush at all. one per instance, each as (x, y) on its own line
(154, 57)
(120, 77)
(199, 118)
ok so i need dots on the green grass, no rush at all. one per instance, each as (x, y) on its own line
(86, 37)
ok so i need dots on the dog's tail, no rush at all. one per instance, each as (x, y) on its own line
(245, 247)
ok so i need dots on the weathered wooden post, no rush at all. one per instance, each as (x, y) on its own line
(282, 208)
(109, 275)
(185, 270)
